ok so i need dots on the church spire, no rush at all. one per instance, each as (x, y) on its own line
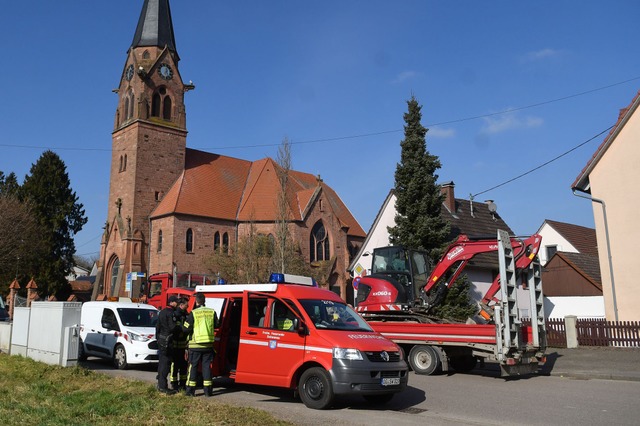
(154, 26)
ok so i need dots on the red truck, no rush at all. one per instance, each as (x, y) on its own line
(397, 297)
(160, 286)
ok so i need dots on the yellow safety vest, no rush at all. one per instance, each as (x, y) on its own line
(204, 320)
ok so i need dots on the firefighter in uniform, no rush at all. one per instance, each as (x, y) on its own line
(165, 330)
(180, 342)
(200, 324)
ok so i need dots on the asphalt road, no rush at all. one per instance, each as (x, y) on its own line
(479, 398)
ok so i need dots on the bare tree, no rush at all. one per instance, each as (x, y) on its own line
(283, 238)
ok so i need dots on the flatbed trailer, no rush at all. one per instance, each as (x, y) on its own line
(517, 345)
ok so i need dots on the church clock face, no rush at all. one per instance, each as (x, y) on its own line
(165, 71)
(128, 74)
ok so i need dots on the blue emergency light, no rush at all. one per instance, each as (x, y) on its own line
(277, 278)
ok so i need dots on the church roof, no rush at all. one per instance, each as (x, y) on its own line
(155, 27)
(227, 188)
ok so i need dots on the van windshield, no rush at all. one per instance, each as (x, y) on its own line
(327, 314)
(138, 317)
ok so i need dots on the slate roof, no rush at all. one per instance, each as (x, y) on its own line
(582, 181)
(221, 187)
(155, 27)
(473, 219)
(480, 223)
(581, 237)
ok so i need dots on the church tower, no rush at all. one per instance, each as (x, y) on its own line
(148, 148)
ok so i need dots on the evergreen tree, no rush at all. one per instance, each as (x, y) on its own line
(457, 302)
(419, 200)
(60, 216)
(9, 184)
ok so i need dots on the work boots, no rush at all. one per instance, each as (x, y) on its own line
(190, 391)
(208, 391)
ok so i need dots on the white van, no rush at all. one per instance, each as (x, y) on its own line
(124, 332)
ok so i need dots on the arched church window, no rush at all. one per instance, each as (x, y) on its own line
(131, 102)
(126, 108)
(318, 243)
(166, 108)
(159, 241)
(161, 104)
(124, 164)
(145, 54)
(216, 241)
(225, 243)
(115, 268)
(189, 242)
(155, 105)
(121, 163)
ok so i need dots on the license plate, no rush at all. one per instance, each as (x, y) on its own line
(391, 381)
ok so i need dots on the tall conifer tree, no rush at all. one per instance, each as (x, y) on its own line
(419, 200)
(56, 207)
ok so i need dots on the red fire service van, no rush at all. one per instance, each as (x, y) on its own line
(303, 338)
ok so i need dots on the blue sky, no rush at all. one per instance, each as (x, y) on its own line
(334, 77)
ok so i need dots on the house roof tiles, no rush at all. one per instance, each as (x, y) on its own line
(580, 237)
(217, 186)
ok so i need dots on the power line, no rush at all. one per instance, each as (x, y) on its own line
(545, 163)
(362, 135)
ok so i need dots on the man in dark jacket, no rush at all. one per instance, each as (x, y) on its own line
(165, 330)
(180, 342)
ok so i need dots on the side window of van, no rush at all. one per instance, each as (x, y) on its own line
(109, 320)
(282, 318)
(257, 312)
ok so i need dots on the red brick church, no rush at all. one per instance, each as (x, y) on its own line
(170, 206)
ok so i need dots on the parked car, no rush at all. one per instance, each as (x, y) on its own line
(123, 332)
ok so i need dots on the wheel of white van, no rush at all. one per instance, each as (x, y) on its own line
(424, 359)
(315, 388)
(120, 357)
(82, 355)
(464, 364)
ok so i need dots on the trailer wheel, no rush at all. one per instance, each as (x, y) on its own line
(120, 357)
(424, 359)
(315, 388)
(463, 364)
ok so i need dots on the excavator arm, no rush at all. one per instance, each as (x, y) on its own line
(458, 255)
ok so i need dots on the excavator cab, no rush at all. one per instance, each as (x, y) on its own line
(407, 270)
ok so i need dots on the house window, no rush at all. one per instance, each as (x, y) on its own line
(159, 241)
(189, 241)
(216, 241)
(225, 243)
(318, 243)
(551, 250)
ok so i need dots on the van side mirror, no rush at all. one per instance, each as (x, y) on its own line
(300, 327)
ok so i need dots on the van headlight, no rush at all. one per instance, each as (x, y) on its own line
(341, 353)
(137, 337)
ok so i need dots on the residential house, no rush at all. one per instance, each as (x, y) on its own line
(609, 181)
(571, 274)
(464, 216)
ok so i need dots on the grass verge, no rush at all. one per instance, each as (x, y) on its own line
(35, 393)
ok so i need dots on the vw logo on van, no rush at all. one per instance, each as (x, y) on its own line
(385, 356)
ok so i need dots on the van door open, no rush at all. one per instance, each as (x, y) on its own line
(271, 346)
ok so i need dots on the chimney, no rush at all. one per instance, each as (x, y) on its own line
(449, 196)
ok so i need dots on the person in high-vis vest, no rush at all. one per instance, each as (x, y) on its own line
(180, 343)
(200, 324)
